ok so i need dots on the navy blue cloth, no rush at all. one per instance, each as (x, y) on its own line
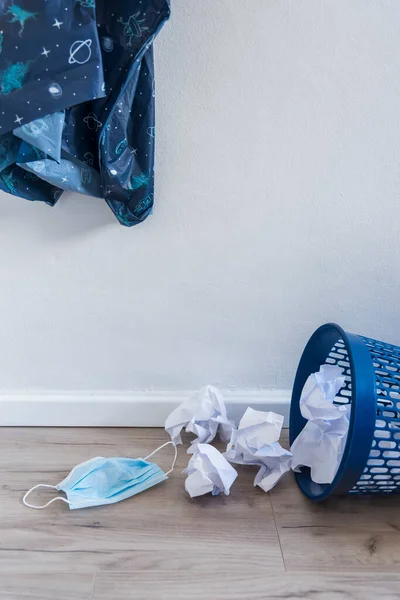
(77, 100)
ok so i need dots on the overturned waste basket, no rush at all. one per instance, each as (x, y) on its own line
(371, 458)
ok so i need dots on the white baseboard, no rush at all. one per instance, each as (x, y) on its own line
(122, 409)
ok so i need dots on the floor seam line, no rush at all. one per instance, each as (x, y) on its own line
(277, 532)
(93, 584)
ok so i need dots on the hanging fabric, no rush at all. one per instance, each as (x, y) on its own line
(77, 100)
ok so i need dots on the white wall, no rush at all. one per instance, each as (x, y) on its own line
(278, 208)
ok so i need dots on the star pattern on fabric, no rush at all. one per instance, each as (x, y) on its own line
(65, 134)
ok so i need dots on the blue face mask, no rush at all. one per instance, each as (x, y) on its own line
(106, 481)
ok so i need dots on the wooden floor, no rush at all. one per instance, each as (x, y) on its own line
(161, 545)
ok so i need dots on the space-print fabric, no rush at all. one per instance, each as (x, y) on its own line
(77, 100)
(50, 58)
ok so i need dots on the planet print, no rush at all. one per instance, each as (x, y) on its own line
(40, 166)
(107, 44)
(55, 90)
(80, 52)
(35, 128)
(92, 122)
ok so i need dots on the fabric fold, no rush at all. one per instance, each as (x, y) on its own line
(77, 92)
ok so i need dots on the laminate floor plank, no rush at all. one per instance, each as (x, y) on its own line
(161, 527)
(248, 584)
(344, 533)
(45, 586)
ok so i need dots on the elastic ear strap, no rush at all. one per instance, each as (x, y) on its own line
(174, 461)
(160, 448)
(47, 503)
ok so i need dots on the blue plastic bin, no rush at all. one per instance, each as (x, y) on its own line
(371, 460)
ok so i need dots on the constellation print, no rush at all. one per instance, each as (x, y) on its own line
(20, 15)
(13, 77)
(133, 27)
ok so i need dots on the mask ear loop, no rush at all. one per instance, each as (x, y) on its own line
(160, 448)
(44, 505)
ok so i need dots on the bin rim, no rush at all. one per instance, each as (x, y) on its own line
(363, 408)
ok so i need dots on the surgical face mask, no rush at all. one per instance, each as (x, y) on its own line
(106, 481)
